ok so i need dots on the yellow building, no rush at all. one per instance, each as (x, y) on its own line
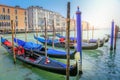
(85, 25)
(72, 24)
(17, 14)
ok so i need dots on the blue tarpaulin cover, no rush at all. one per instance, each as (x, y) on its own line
(27, 45)
(41, 39)
(53, 51)
(3, 40)
(60, 36)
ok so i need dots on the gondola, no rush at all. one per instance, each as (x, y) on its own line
(39, 49)
(89, 46)
(38, 61)
(99, 42)
(63, 37)
(85, 45)
(57, 43)
(107, 38)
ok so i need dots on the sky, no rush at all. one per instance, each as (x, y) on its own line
(99, 13)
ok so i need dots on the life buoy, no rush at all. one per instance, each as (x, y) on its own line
(61, 39)
(7, 43)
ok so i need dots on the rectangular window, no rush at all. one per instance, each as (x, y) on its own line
(8, 10)
(16, 23)
(15, 11)
(4, 17)
(25, 18)
(3, 10)
(16, 17)
(9, 24)
(25, 12)
(8, 17)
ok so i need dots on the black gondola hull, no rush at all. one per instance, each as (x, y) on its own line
(62, 71)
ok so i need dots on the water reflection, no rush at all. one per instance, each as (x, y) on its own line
(111, 65)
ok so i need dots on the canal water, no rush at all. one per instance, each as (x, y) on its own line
(99, 64)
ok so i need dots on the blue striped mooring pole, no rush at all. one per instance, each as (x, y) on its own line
(79, 33)
(112, 35)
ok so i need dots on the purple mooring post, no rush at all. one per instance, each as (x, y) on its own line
(79, 32)
(112, 36)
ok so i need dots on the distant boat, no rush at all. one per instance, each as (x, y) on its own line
(85, 45)
(89, 46)
(39, 49)
(39, 61)
(100, 42)
(57, 43)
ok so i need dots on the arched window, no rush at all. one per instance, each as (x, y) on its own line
(9, 23)
(4, 17)
(0, 17)
(4, 23)
(8, 17)
(0, 24)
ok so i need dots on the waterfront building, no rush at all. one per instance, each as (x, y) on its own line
(36, 17)
(85, 24)
(72, 24)
(17, 14)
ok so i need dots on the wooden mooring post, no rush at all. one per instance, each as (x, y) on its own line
(115, 37)
(53, 35)
(14, 55)
(67, 41)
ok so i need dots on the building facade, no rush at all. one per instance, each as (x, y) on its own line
(85, 25)
(17, 14)
(37, 16)
(33, 18)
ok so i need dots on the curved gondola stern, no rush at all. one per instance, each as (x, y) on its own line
(107, 38)
(35, 36)
(97, 44)
(100, 43)
(72, 55)
(78, 64)
(2, 40)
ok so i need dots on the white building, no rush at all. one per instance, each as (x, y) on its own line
(36, 19)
